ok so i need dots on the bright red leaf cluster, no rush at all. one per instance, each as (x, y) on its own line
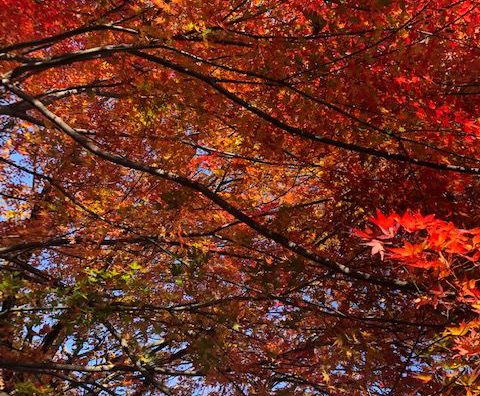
(445, 259)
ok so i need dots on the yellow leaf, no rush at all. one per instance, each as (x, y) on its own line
(326, 377)
(424, 377)
(458, 331)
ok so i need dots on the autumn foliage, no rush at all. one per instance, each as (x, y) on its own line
(442, 259)
(249, 197)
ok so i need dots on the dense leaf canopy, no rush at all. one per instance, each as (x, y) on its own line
(249, 197)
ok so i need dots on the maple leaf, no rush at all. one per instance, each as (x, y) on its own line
(401, 80)
(408, 250)
(387, 224)
(377, 247)
(412, 222)
(366, 234)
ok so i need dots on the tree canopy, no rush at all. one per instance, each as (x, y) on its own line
(249, 197)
